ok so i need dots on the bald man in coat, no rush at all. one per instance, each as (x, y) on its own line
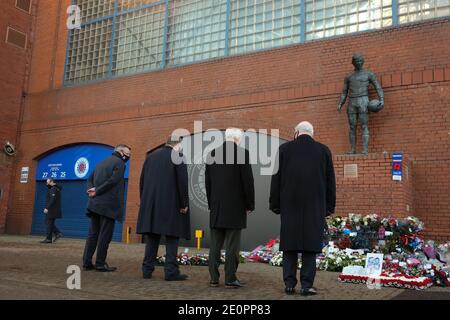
(303, 192)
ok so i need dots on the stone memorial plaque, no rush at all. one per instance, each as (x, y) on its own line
(351, 170)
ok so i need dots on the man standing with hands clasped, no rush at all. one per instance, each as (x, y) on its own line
(231, 197)
(303, 192)
(106, 187)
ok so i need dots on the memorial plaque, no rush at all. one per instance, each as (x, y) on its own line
(351, 170)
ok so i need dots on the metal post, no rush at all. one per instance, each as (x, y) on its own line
(227, 28)
(113, 39)
(166, 34)
(302, 21)
(394, 12)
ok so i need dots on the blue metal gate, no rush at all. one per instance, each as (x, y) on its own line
(70, 167)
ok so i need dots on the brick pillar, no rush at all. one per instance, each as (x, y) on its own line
(364, 185)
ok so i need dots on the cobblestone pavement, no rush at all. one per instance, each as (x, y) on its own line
(30, 270)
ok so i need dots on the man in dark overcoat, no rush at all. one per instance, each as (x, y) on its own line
(303, 192)
(106, 187)
(231, 197)
(164, 207)
(52, 210)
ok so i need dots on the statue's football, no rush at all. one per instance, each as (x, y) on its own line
(374, 105)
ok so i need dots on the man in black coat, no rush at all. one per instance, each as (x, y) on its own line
(164, 207)
(52, 210)
(303, 192)
(231, 197)
(106, 187)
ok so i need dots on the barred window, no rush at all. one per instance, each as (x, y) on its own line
(139, 41)
(417, 10)
(197, 30)
(326, 18)
(93, 9)
(89, 52)
(119, 37)
(124, 5)
(261, 24)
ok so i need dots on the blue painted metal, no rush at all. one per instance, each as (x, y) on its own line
(64, 163)
(166, 34)
(74, 222)
(394, 12)
(227, 29)
(302, 21)
(113, 39)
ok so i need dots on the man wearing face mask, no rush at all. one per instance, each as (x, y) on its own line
(164, 207)
(106, 187)
(52, 210)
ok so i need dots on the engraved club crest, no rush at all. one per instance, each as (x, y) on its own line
(197, 192)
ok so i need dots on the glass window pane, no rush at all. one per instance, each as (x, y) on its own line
(207, 28)
(266, 24)
(346, 15)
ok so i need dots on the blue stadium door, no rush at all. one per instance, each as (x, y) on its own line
(70, 167)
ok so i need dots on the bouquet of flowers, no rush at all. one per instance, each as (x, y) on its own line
(444, 252)
(264, 253)
(277, 259)
(337, 260)
(365, 232)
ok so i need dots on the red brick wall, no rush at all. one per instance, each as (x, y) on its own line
(13, 75)
(272, 89)
(372, 190)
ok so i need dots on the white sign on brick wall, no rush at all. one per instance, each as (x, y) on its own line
(24, 174)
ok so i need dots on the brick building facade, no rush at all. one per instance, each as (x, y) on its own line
(268, 89)
(13, 82)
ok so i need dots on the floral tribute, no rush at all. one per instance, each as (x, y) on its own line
(409, 261)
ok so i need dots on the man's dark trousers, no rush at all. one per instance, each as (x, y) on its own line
(307, 272)
(152, 241)
(51, 228)
(100, 235)
(232, 240)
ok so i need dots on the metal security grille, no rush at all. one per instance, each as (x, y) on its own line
(16, 38)
(119, 37)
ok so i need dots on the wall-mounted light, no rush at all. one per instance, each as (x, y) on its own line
(9, 148)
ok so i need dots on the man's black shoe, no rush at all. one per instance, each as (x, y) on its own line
(59, 235)
(147, 275)
(214, 284)
(180, 277)
(289, 291)
(105, 268)
(89, 267)
(233, 285)
(308, 292)
(46, 241)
